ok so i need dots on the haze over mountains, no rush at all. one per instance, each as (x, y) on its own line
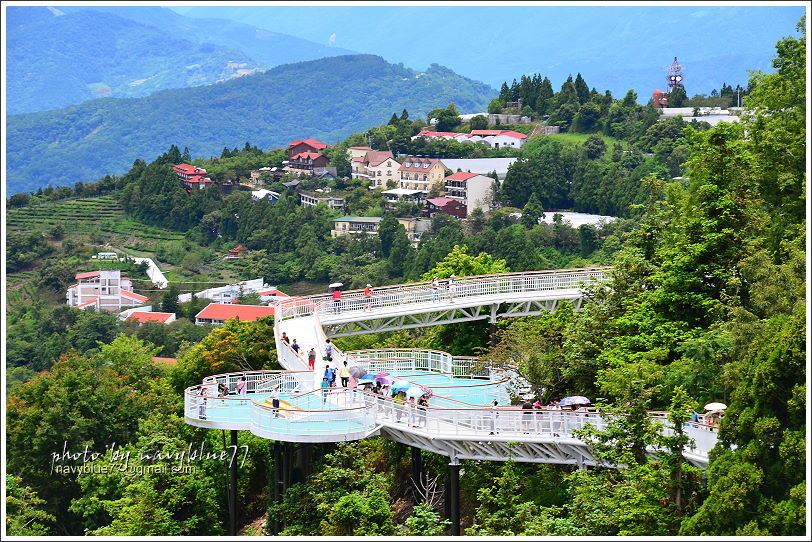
(86, 52)
(613, 47)
(327, 99)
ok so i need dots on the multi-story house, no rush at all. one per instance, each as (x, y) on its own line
(415, 227)
(347, 225)
(103, 290)
(334, 200)
(471, 189)
(305, 145)
(448, 206)
(192, 177)
(306, 162)
(421, 173)
(379, 167)
(357, 152)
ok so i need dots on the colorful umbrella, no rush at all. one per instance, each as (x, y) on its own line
(383, 380)
(414, 391)
(575, 400)
(427, 392)
(401, 385)
(381, 374)
(366, 380)
(715, 406)
(357, 372)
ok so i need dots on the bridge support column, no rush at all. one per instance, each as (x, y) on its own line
(417, 473)
(278, 487)
(454, 496)
(232, 486)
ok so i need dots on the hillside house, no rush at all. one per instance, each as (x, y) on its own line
(421, 173)
(500, 138)
(305, 145)
(236, 253)
(357, 152)
(347, 225)
(471, 189)
(228, 293)
(448, 206)
(159, 317)
(305, 162)
(103, 290)
(191, 177)
(379, 167)
(334, 200)
(217, 313)
(415, 227)
(403, 195)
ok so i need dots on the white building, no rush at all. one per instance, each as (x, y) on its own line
(482, 166)
(471, 189)
(228, 293)
(103, 290)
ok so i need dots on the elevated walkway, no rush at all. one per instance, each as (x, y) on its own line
(459, 423)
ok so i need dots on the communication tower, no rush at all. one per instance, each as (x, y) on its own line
(674, 76)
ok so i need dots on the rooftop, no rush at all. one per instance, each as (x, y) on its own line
(224, 311)
(310, 141)
(160, 317)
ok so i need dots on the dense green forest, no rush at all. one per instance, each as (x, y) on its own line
(707, 302)
(327, 99)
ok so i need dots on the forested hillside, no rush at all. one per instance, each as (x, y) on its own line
(707, 302)
(53, 61)
(326, 99)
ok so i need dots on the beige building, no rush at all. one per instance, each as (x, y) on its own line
(415, 227)
(357, 152)
(347, 225)
(421, 173)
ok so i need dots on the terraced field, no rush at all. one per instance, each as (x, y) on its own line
(75, 216)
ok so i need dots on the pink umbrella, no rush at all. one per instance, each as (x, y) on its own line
(381, 374)
(383, 380)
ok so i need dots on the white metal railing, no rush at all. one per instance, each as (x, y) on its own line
(422, 292)
(345, 411)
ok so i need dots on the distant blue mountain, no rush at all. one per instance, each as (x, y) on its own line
(613, 47)
(328, 99)
(62, 56)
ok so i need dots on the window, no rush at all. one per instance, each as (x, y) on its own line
(426, 165)
(389, 173)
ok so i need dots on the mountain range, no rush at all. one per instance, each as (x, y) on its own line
(86, 52)
(328, 99)
(614, 47)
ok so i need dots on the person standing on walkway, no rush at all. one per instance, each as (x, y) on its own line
(494, 415)
(242, 387)
(275, 401)
(344, 374)
(336, 301)
(527, 415)
(556, 417)
(452, 288)
(311, 358)
(368, 298)
(285, 338)
(295, 346)
(324, 385)
(328, 350)
(435, 290)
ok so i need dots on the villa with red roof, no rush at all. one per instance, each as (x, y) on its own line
(471, 189)
(192, 177)
(103, 290)
(421, 173)
(159, 317)
(305, 145)
(448, 206)
(379, 167)
(306, 162)
(218, 313)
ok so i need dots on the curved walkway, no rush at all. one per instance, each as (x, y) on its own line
(459, 423)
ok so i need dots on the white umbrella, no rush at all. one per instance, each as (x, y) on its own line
(335, 285)
(715, 406)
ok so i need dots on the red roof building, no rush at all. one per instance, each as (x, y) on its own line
(448, 206)
(305, 145)
(461, 176)
(160, 317)
(218, 313)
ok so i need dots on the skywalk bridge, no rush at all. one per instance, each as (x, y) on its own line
(459, 423)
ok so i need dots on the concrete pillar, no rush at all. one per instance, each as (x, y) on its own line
(232, 488)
